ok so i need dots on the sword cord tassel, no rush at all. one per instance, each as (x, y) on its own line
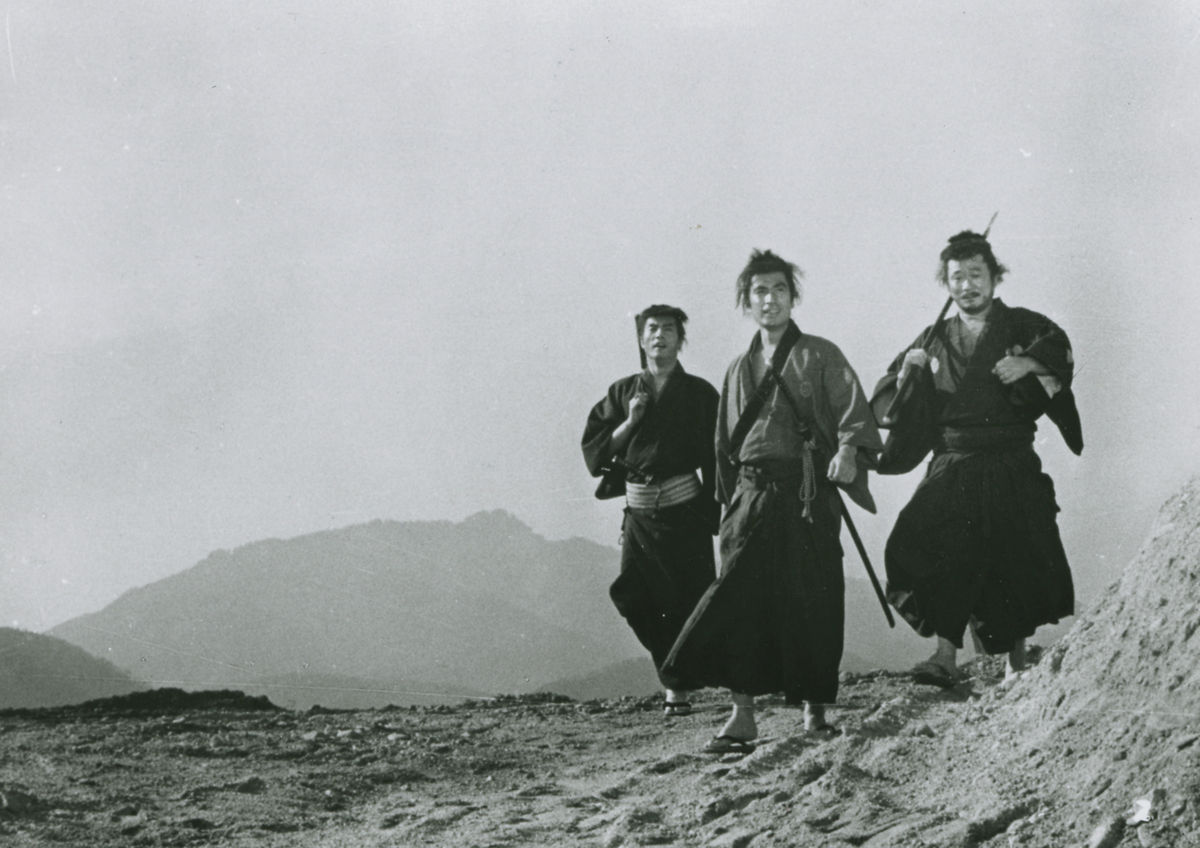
(808, 486)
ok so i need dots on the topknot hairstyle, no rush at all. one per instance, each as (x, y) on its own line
(766, 262)
(967, 245)
(660, 310)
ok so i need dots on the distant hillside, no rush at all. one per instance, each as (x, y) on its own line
(484, 605)
(631, 677)
(42, 671)
(301, 691)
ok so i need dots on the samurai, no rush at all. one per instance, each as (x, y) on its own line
(651, 440)
(978, 544)
(793, 426)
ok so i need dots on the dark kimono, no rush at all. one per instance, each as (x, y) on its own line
(773, 620)
(979, 540)
(666, 553)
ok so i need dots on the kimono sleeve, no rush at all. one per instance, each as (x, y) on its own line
(604, 418)
(724, 461)
(919, 343)
(853, 421)
(708, 403)
(1049, 345)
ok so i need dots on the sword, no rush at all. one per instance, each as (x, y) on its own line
(862, 552)
(905, 391)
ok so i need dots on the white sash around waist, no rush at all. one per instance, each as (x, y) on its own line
(670, 492)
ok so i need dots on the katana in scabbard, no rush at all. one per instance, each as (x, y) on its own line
(862, 552)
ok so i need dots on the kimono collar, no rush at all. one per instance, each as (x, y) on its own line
(791, 334)
(999, 307)
(648, 377)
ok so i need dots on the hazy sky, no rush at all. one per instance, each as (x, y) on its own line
(275, 270)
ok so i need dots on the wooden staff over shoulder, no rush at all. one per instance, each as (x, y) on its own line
(903, 405)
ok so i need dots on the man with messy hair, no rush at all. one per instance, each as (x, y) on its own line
(792, 427)
(650, 439)
(978, 544)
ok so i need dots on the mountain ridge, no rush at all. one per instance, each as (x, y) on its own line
(482, 605)
(38, 670)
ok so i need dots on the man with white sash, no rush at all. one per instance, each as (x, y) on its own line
(651, 439)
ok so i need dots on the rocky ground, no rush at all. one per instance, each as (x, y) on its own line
(913, 766)
(1097, 745)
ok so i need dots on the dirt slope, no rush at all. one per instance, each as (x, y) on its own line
(914, 766)
(1103, 730)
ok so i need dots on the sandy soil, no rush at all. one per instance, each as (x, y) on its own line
(1097, 745)
(913, 766)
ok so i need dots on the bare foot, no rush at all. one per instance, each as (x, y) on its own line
(1011, 676)
(814, 719)
(1015, 665)
(741, 724)
(675, 696)
(676, 704)
(945, 657)
(1016, 659)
